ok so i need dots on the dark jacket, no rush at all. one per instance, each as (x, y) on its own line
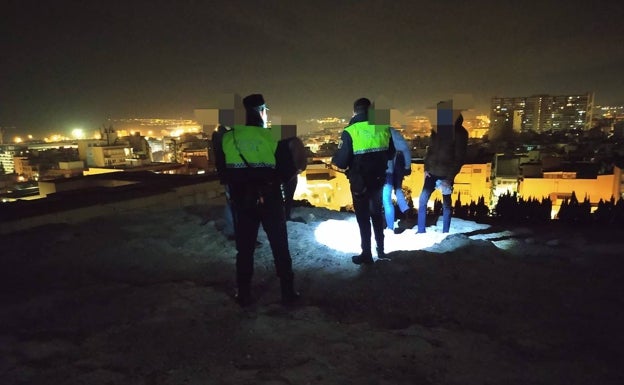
(290, 158)
(446, 158)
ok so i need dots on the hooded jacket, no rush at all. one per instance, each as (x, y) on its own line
(446, 158)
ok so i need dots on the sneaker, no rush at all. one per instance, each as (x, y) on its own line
(399, 230)
(366, 259)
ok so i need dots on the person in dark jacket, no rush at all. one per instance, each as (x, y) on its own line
(363, 153)
(228, 228)
(444, 159)
(247, 159)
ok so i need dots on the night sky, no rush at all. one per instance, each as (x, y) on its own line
(76, 63)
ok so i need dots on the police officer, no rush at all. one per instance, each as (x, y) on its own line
(363, 152)
(246, 159)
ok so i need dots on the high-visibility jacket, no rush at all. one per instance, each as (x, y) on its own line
(249, 147)
(368, 156)
(369, 138)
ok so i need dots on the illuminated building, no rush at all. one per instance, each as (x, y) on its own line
(477, 127)
(196, 160)
(559, 185)
(472, 183)
(506, 174)
(7, 153)
(113, 151)
(554, 113)
(323, 186)
(540, 113)
(107, 156)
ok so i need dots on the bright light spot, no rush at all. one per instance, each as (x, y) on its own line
(30, 137)
(340, 235)
(78, 133)
(17, 139)
(344, 236)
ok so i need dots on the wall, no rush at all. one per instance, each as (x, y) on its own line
(183, 196)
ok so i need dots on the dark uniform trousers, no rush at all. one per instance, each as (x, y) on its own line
(368, 208)
(252, 206)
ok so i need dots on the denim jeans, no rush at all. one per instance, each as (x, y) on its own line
(428, 187)
(388, 205)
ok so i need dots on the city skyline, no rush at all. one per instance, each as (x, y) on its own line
(79, 64)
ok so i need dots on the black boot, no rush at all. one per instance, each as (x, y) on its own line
(364, 258)
(243, 295)
(289, 295)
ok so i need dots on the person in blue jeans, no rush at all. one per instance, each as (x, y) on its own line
(443, 161)
(398, 167)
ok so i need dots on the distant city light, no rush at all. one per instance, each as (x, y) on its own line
(54, 138)
(78, 133)
(17, 139)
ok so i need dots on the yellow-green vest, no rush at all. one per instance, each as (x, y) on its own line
(256, 144)
(368, 137)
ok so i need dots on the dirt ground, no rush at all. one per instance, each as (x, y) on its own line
(146, 298)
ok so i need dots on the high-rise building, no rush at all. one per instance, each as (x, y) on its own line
(505, 116)
(540, 113)
(7, 154)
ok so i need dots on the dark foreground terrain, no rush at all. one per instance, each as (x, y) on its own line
(146, 298)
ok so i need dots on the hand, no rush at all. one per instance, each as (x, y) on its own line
(445, 186)
(427, 174)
